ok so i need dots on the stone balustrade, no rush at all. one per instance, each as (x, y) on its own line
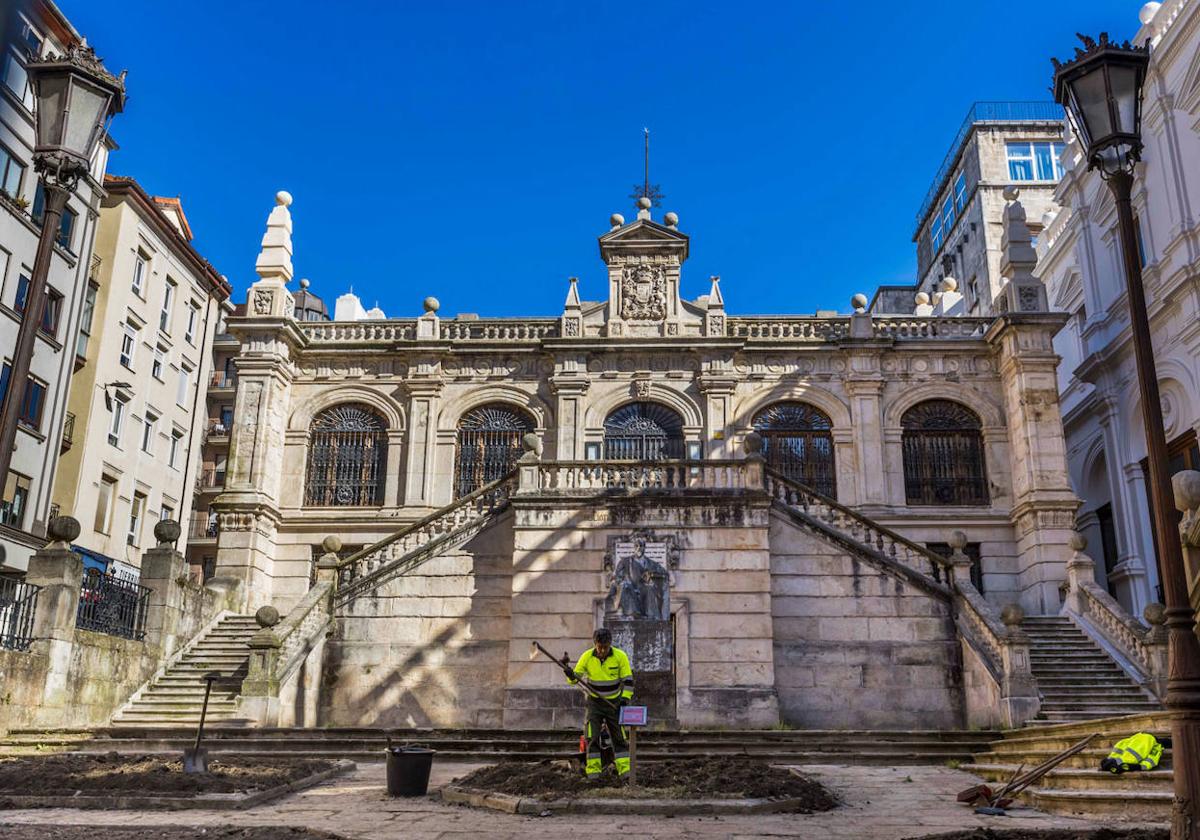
(587, 477)
(358, 332)
(900, 328)
(526, 329)
(783, 328)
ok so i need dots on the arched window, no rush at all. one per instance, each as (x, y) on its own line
(943, 455)
(643, 431)
(798, 442)
(489, 444)
(346, 455)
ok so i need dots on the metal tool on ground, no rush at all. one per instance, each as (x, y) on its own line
(995, 803)
(580, 681)
(195, 760)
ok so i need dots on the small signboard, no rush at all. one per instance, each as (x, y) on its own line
(633, 716)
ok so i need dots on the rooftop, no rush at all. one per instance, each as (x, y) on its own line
(984, 112)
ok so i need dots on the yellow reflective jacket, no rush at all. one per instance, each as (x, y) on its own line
(1137, 752)
(611, 678)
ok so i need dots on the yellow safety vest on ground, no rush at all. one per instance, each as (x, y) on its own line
(612, 678)
(1137, 752)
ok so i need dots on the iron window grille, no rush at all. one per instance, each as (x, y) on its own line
(798, 442)
(943, 455)
(18, 603)
(489, 444)
(110, 605)
(346, 456)
(643, 431)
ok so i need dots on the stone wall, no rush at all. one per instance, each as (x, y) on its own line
(855, 646)
(981, 692)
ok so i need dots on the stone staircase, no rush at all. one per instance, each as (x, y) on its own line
(1078, 680)
(1078, 786)
(174, 697)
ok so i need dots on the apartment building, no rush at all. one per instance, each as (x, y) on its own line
(150, 315)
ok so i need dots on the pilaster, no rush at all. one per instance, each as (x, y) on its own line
(425, 396)
(866, 415)
(718, 385)
(569, 384)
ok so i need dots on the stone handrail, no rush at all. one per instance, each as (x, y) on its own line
(979, 623)
(525, 329)
(902, 327)
(1144, 648)
(358, 332)
(297, 632)
(784, 328)
(603, 476)
(858, 528)
(414, 544)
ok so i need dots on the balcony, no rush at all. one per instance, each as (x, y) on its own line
(216, 432)
(68, 433)
(202, 528)
(222, 381)
(210, 479)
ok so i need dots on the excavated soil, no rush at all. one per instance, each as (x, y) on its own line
(1034, 834)
(690, 778)
(146, 775)
(162, 832)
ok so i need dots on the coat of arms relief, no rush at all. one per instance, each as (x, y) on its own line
(643, 293)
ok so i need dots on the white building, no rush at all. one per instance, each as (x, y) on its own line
(139, 400)
(1080, 262)
(45, 429)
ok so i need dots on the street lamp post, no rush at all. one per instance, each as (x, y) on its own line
(74, 97)
(1101, 88)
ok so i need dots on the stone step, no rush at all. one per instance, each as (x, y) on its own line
(1067, 716)
(1138, 704)
(1123, 804)
(1073, 778)
(1082, 693)
(1088, 759)
(148, 704)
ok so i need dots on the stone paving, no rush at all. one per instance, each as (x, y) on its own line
(881, 803)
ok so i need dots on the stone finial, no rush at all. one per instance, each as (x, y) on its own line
(431, 304)
(531, 443)
(331, 544)
(1155, 614)
(671, 220)
(715, 298)
(753, 443)
(616, 220)
(63, 530)
(572, 301)
(1012, 615)
(957, 540)
(1077, 541)
(948, 284)
(275, 258)
(305, 283)
(644, 204)
(921, 299)
(1023, 292)
(166, 532)
(1147, 12)
(859, 302)
(266, 616)
(1186, 485)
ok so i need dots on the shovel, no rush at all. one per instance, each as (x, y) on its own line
(195, 760)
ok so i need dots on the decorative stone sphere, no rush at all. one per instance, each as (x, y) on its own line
(304, 284)
(63, 529)
(1186, 485)
(531, 442)
(1048, 218)
(922, 298)
(949, 284)
(431, 304)
(1077, 541)
(671, 219)
(859, 302)
(958, 540)
(167, 531)
(1147, 12)
(1011, 193)
(267, 616)
(1155, 613)
(1012, 615)
(331, 544)
(753, 443)
(644, 203)
(616, 220)
(283, 198)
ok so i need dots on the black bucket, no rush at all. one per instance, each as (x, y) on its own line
(408, 770)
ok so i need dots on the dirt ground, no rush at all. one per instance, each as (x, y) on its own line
(162, 832)
(145, 774)
(1033, 834)
(692, 778)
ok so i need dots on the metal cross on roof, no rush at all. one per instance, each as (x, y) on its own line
(646, 189)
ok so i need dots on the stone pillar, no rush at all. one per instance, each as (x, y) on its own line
(1131, 523)
(529, 472)
(424, 405)
(162, 569)
(569, 384)
(867, 423)
(1081, 569)
(1160, 648)
(327, 566)
(59, 572)
(259, 700)
(718, 387)
(1019, 698)
(1043, 510)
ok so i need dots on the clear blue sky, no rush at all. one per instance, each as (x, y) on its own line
(475, 150)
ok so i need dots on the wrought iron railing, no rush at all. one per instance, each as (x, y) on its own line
(202, 527)
(422, 540)
(113, 606)
(18, 603)
(68, 431)
(210, 477)
(222, 379)
(217, 429)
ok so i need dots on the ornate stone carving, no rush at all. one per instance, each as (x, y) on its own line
(641, 388)
(263, 298)
(672, 329)
(643, 293)
(571, 327)
(1029, 299)
(716, 325)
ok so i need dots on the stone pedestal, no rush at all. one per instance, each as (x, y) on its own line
(59, 573)
(650, 646)
(163, 570)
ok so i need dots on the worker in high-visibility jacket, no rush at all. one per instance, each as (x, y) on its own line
(1137, 752)
(606, 673)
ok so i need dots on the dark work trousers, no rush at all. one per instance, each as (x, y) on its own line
(600, 713)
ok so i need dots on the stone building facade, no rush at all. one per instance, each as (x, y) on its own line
(795, 480)
(1080, 263)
